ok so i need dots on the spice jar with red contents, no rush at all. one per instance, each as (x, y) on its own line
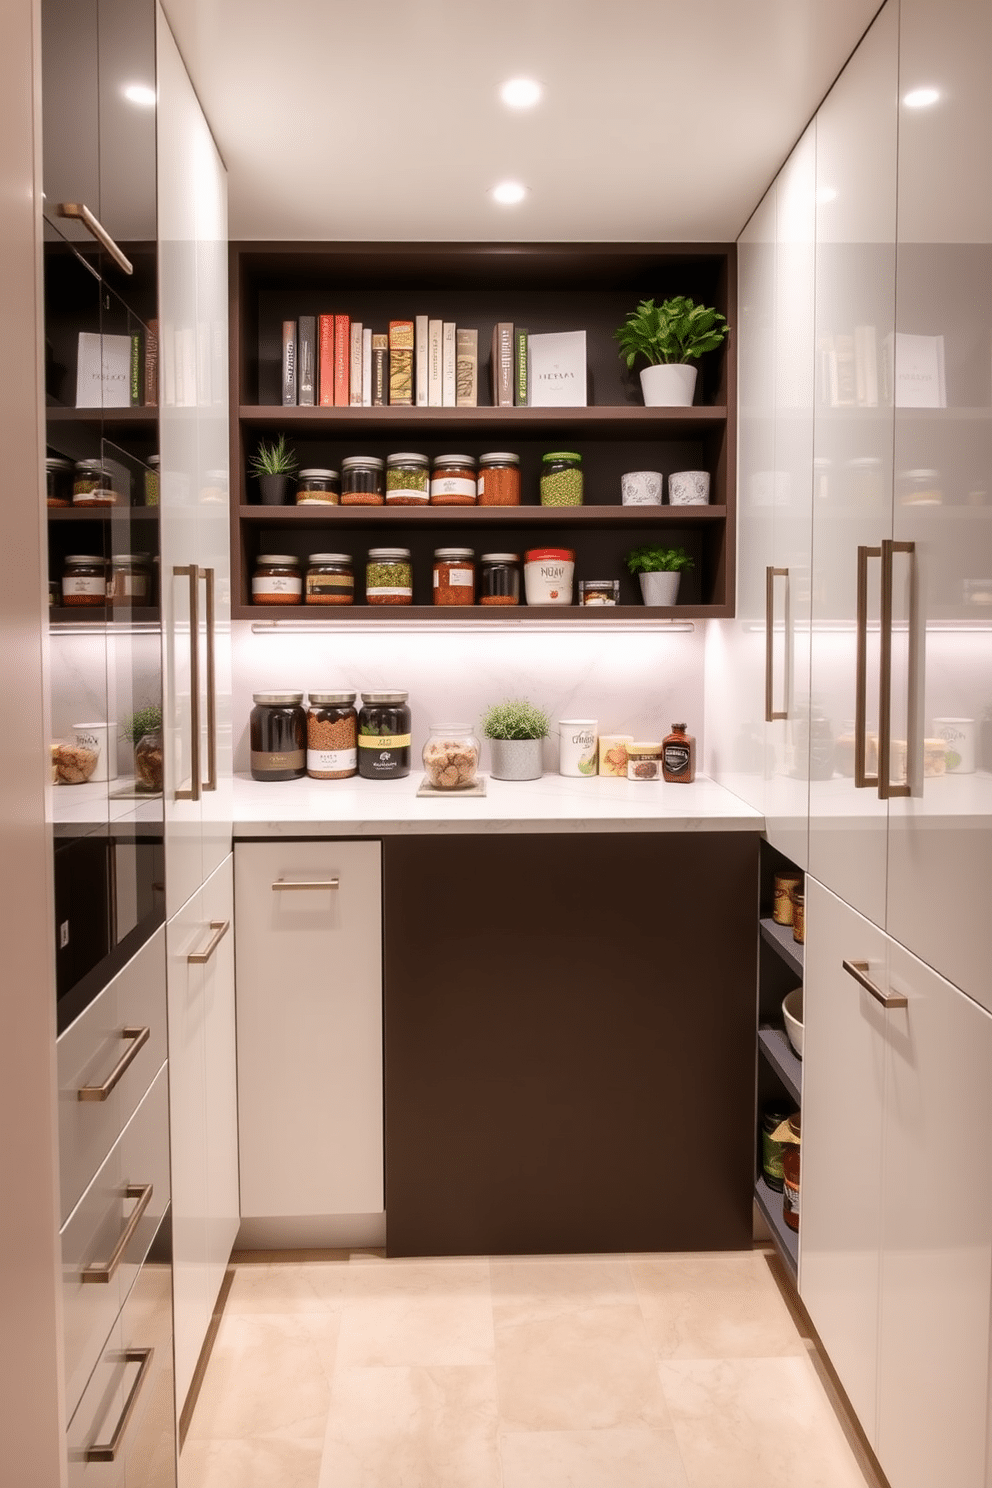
(499, 479)
(362, 481)
(84, 580)
(277, 580)
(499, 580)
(453, 481)
(454, 576)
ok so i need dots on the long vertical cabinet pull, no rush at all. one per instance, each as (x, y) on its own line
(191, 572)
(210, 783)
(885, 787)
(862, 780)
(771, 574)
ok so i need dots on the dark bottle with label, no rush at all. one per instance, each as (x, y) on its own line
(678, 756)
(278, 732)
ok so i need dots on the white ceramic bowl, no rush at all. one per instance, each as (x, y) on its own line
(792, 1012)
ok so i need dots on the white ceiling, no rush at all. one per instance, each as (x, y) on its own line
(381, 120)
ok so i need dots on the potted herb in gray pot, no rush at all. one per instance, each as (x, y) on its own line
(516, 729)
(670, 337)
(659, 571)
(274, 466)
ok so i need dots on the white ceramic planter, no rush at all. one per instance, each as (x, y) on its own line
(659, 588)
(670, 385)
(516, 759)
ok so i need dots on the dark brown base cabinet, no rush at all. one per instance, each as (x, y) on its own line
(569, 1035)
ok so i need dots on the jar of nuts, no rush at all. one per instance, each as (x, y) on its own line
(451, 756)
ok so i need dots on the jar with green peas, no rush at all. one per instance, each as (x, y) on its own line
(561, 478)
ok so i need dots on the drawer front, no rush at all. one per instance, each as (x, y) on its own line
(117, 1202)
(109, 1034)
(101, 1406)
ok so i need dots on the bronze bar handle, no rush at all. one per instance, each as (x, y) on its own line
(211, 781)
(191, 572)
(138, 1037)
(313, 883)
(220, 929)
(102, 1271)
(771, 574)
(107, 1451)
(886, 790)
(82, 214)
(859, 971)
(862, 779)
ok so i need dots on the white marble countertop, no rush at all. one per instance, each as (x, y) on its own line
(555, 803)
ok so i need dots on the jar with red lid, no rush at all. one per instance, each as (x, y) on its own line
(454, 576)
(499, 479)
(453, 481)
(548, 574)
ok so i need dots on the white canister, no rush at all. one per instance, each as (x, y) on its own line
(689, 488)
(548, 576)
(959, 736)
(577, 746)
(641, 487)
(102, 738)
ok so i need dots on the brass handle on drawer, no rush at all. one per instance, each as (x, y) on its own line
(885, 787)
(102, 1271)
(200, 958)
(81, 212)
(771, 574)
(191, 572)
(862, 780)
(859, 971)
(107, 1451)
(211, 780)
(310, 883)
(139, 1037)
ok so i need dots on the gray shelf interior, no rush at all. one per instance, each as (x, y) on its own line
(786, 1241)
(780, 937)
(776, 1048)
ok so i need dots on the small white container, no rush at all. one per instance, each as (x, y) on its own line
(102, 738)
(689, 488)
(959, 736)
(641, 487)
(548, 574)
(577, 746)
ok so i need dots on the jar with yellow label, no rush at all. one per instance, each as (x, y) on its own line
(384, 725)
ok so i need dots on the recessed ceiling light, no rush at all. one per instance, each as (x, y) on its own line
(520, 93)
(140, 93)
(921, 97)
(825, 194)
(509, 193)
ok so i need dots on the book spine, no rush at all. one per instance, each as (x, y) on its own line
(448, 360)
(151, 365)
(435, 333)
(355, 374)
(288, 364)
(401, 363)
(326, 361)
(467, 368)
(422, 359)
(136, 368)
(342, 360)
(306, 358)
(380, 371)
(520, 390)
(367, 367)
(502, 370)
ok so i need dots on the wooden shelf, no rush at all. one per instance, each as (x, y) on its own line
(479, 516)
(631, 422)
(112, 617)
(110, 420)
(476, 614)
(102, 513)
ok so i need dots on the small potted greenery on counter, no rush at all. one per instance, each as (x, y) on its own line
(143, 731)
(274, 466)
(659, 571)
(515, 729)
(670, 336)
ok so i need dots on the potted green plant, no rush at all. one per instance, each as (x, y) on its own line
(659, 571)
(670, 337)
(273, 465)
(143, 731)
(515, 729)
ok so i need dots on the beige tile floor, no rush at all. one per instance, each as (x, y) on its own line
(643, 1371)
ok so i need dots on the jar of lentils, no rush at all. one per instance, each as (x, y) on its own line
(277, 580)
(332, 736)
(389, 576)
(384, 726)
(454, 576)
(362, 481)
(561, 478)
(92, 485)
(278, 733)
(453, 481)
(318, 487)
(84, 580)
(330, 579)
(499, 580)
(407, 480)
(499, 479)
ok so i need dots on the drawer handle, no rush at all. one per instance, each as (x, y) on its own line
(102, 1271)
(107, 1451)
(859, 971)
(310, 883)
(138, 1037)
(220, 929)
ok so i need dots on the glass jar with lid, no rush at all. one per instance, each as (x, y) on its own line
(384, 726)
(407, 480)
(451, 756)
(330, 579)
(362, 480)
(318, 487)
(332, 736)
(58, 481)
(153, 481)
(278, 733)
(454, 576)
(453, 481)
(561, 478)
(130, 581)
(92, 484)
(277, 580)
(499, 479)
(84, 580)
(499, 579)
(389, 577)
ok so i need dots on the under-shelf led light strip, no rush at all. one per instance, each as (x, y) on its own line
(466, 627)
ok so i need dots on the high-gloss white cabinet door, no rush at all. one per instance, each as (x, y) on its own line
(844, 1060)
(942, 833)
(852, 484)
(936, 1259)
(309, 979)
(220, 1052)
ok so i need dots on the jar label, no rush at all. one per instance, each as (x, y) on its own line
(676, 758)
(326, 760)
(482, 485)
(291, 759)
(280, 584)
(405, 493)
(84, 586)
(790, 1198)
(401, 591)
(384, 741)
(330, 584)
(452, 485)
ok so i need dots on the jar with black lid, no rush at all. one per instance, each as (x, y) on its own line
(499, 579)
(330, 579)
(332, 736)
(278, 731)
(84, 580)
(362, 481)
(277, 580)
(384, 736)
(58, 481)
(317, 487)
